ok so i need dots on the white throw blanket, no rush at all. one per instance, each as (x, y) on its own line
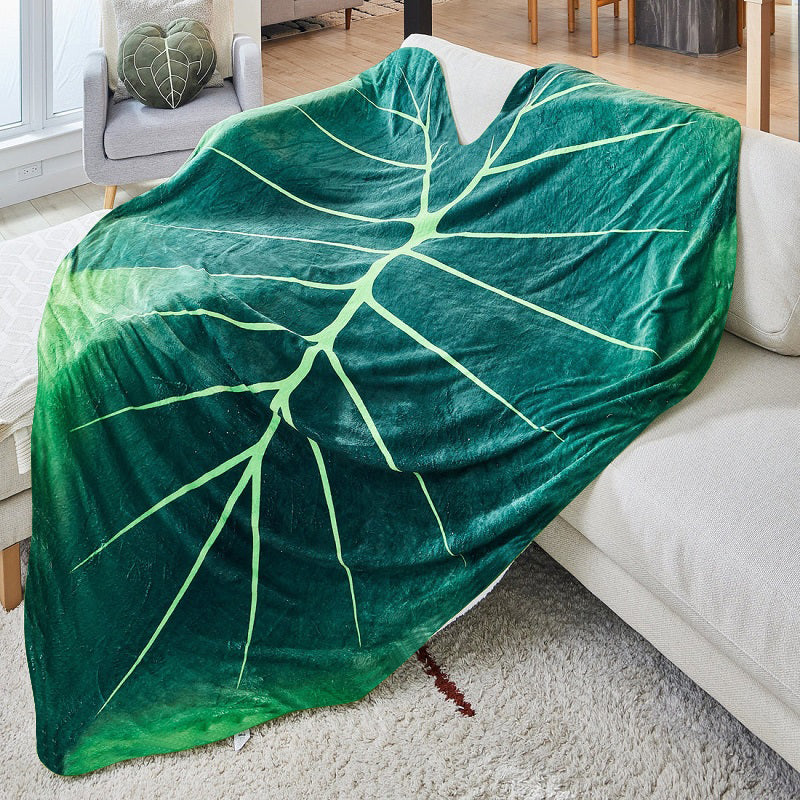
(27, 266)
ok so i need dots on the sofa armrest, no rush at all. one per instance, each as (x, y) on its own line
(95, 111)
(247, 77)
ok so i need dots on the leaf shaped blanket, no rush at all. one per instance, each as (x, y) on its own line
(302, 403)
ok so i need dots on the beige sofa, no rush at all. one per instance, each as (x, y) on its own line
(691, 534)
(27, 265)
(273, 11)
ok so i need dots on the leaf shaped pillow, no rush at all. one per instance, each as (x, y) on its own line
(165, 69)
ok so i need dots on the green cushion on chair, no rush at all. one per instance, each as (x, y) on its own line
(165, 69)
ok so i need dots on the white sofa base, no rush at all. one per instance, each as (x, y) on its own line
(727, 682)
(15, 524)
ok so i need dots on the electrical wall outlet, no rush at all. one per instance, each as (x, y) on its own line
(29, 171)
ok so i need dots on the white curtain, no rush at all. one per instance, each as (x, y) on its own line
(10, 94)
(76, 31)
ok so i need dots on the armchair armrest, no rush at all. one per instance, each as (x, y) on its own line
(95, 110)
(247, 77)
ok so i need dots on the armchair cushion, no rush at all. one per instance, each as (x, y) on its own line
(167, 68)
(218, 19)
(133, 129)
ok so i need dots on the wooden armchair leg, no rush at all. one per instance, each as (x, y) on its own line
(111, 195)
(595, 30)
(10, 577)
(348, 18)
(616, 9)
(533, 12)
(570, 16)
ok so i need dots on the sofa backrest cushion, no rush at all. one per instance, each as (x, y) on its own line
(765, 307)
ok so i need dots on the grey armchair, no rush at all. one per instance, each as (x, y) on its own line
(128, 142)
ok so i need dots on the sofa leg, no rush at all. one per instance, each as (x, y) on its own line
(348, 18)
(111, 195)
(10, 577)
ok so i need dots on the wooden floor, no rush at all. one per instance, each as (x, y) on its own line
(53, 209)
(317, 59)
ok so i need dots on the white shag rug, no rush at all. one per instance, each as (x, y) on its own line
(569, 704)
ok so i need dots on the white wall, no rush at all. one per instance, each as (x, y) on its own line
(247, 18)
(60, 157)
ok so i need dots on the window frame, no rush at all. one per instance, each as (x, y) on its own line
(36, 61)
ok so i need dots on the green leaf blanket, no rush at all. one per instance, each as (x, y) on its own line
(302, 403)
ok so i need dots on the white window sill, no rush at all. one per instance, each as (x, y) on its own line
(49, 142)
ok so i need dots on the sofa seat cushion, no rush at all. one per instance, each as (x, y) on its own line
(11, 480)
(27, 266)
(133, 129)
(15, 519)
(703, 510)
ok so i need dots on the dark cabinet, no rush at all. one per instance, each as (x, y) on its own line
(694, 27)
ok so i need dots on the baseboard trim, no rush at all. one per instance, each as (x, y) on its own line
(66, 173)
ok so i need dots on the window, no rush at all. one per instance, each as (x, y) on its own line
(43, 44)
(10, 64)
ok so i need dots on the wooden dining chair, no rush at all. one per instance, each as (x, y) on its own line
(572, 5)
(533, 20)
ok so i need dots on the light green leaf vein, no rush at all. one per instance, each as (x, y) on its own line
(201, 557)
(539, 309)
(576, 148)
(253, 388)
(534, 99)
(393, 111)
(326, 488)
(539, 103)
(349, 286)
(276, 237)
(443, 354)
(437, 517)
(333, 287)
(404, 164)
(205, 478)
(553, 234)
(361, 406)
(286, 193)
(411, 92)
(255, 528)
(202, 312)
